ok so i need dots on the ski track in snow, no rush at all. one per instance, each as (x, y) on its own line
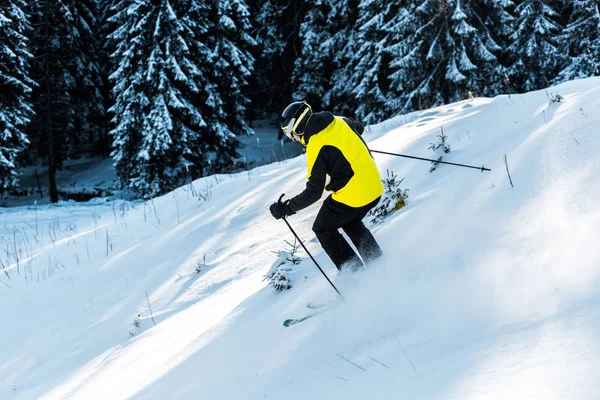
(490, 292)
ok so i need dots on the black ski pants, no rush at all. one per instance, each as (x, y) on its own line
(335, 215)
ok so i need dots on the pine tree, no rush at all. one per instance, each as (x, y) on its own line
(150, 53)
(213, 145)
(88, 101)
(467, 53)
(109, 23)
(52, 44)
(234, 62)
(171, 119)
(450, 55)
(279, 24)
(321, 71)
(368, 69)
(15, 89)
(533, 45)
(405, 61)
(341, 23)
(580, 42)
(313, 67)
(495, 23)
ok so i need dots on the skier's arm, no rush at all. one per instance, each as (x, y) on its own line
(315, 185)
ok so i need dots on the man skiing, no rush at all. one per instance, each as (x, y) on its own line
(334, 147)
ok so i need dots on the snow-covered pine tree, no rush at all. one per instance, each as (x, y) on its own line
(393, 199)
(278, 34)
(533, 50)
(456, 59)
(341, 24)
(495, 23)
(171, 118)
(580, 42)
(154, 121)
(106, 10)
(439, 148)
(495, 20)
(88, 103)
(284, 271)
(405, 61)
(313, 67)
(368, 69)
(322, 69)
(15, 88)
(234, 65)
(52, 43)
(214, 143)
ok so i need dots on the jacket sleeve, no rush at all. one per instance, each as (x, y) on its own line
(355, 126)
(315, 185)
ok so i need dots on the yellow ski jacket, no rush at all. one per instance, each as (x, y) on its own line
(335, 148)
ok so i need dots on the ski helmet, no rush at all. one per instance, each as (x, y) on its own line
(294, 118)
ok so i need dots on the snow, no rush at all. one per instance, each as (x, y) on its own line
(488, 291)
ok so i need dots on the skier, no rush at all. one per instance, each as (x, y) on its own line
(334, 147)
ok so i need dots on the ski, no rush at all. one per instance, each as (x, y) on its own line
(320, 309)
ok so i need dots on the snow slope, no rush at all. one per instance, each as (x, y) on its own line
(485, 291)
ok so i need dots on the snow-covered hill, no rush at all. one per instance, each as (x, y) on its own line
(485, 291)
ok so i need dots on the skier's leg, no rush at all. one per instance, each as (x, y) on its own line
(361, 236)
(326, 228)
(363, 239)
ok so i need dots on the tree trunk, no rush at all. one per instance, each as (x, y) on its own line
(52, 167)
(49, 121)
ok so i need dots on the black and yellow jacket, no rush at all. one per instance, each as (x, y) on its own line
(334, 147)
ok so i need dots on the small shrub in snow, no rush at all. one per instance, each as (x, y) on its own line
(281, 273)
(393, 199)
(440, 146)
(442, 143)
(200, 266)
(554, 98)
(137, 325)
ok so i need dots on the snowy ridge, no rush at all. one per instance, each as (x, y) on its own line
(487, 291)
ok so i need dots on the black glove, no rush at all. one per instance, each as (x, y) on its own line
(280, 209)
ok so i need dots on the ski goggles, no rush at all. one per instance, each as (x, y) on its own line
(293, 124)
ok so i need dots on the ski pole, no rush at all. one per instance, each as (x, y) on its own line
(482, 168)
(310, 255)
(312, 258)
